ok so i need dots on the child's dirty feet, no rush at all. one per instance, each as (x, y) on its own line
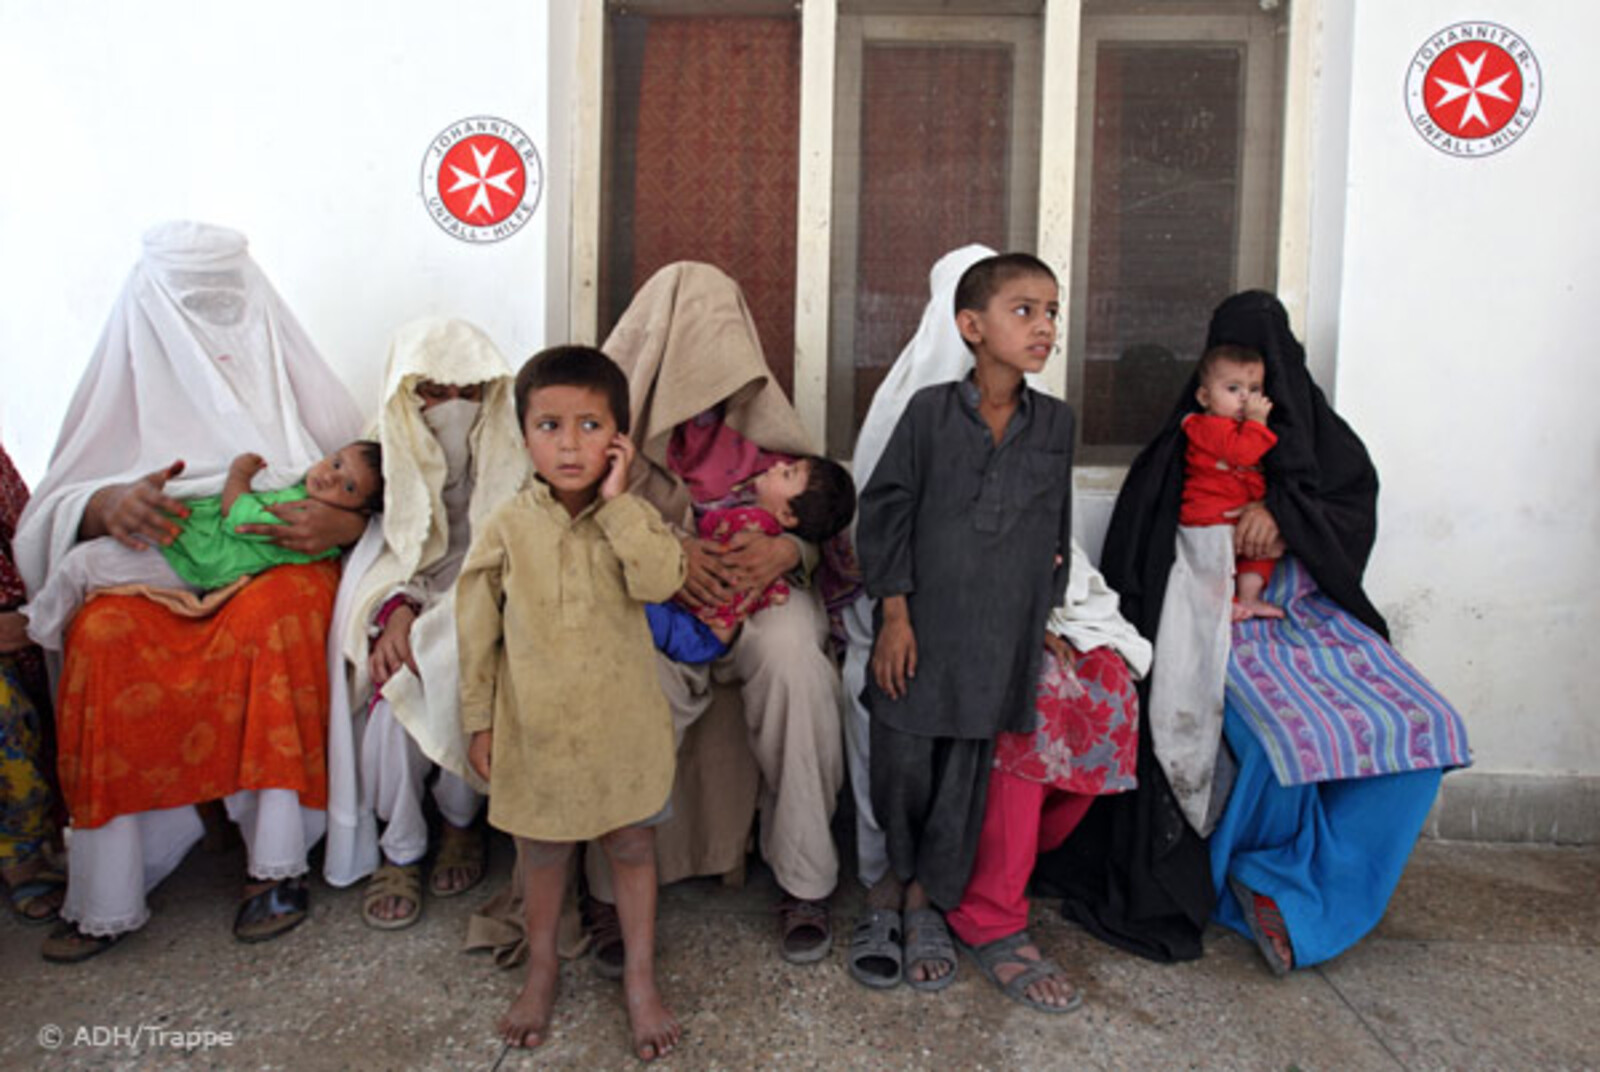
(1245, 609)
(527, 1022)
(13, 632)
(655, 1029)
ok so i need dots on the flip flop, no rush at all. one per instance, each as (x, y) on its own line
(605, 930)
(275, 911)
(66, 944)
(44, 889)
(928, 938)
(875, 957)
(401, 881)
(990, 955)
(1265, 922)
(460, 849)
(806, 933)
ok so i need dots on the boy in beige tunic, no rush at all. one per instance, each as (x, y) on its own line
(559, 695)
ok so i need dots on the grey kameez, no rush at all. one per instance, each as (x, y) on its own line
(969, 531)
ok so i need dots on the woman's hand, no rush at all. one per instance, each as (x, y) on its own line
(621, 453)
(894, 654)
(478, 752)
(310, 527)
(710, 582)
(137, 513)
(1255, 533)
(754, 560)
(392, 649)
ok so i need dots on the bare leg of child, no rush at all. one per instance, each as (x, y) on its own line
(13, 632)
(724, 633)
(544, 881)
(933, 967)
(632, 854)
(1247, 601)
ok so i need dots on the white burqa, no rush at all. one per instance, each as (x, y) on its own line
(200, 360)
(446, 472)
(1088, 617)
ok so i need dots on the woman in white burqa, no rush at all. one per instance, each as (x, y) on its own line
(200, 361)
(452, 453)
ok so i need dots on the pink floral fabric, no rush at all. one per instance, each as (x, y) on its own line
(1087, 739)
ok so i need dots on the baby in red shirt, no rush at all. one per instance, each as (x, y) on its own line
(1222, 465)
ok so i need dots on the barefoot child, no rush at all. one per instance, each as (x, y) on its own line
(205, 551)
(964, 537)
(1222, 463)
(809, 496)
(559, 696)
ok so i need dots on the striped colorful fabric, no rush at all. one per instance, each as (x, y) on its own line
(1329, 699)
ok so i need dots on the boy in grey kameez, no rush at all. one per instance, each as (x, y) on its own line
(964, 538)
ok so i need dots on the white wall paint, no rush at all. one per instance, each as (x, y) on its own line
(1466, 361)
(301, 123)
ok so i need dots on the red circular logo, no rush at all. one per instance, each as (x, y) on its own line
(1473, 88)
(481, 179)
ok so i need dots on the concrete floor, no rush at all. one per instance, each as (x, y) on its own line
(1489, 958)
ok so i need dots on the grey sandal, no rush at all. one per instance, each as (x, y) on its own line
(928, 938)
(875, 949)
(991, 955)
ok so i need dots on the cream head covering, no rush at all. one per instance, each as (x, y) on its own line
(415, 526)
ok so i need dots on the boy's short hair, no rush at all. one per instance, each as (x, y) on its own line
(1226, 351)
(825, 508)
(371, 452)
(574, 366)
(984, 278)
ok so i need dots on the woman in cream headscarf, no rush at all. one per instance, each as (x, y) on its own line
(452, 453)
(1044, 781)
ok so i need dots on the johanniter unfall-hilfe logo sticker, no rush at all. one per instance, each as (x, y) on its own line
(1473, 89)
(481, 179)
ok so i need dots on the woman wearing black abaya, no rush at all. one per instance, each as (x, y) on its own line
(1315, 833)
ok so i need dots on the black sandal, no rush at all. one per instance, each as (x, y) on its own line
(276, 910)
(66, 944)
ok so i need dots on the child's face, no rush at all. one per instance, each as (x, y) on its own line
(432, 393)
(1018, 326)
(776, 487)
(568, 431)
(342, 479)
(1229, 386)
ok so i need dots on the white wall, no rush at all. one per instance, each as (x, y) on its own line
(1466, 359)
(301, 123)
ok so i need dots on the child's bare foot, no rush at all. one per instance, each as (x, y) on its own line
(527, 1022)
(1245, 609)
(655, 1029)
(13, 632)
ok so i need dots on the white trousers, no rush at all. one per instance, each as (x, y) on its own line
(92, 564)
(111, 868)
(394, 772)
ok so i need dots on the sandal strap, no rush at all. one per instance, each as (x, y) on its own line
(395, 880)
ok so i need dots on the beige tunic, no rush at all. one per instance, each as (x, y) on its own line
(556, 658)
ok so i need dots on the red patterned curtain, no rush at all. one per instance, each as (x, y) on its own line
(935, 146)
(716, 161)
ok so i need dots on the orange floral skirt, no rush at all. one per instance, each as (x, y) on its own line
(158, 710)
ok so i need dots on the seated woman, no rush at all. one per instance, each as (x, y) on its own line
(696, 374)
(452, 454)
(30, 840)
(157, 710)
(1335, 746)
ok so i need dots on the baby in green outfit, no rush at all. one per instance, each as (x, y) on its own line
(207, 551)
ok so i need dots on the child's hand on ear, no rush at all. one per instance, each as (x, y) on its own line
(478, 750)
(621, 453)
